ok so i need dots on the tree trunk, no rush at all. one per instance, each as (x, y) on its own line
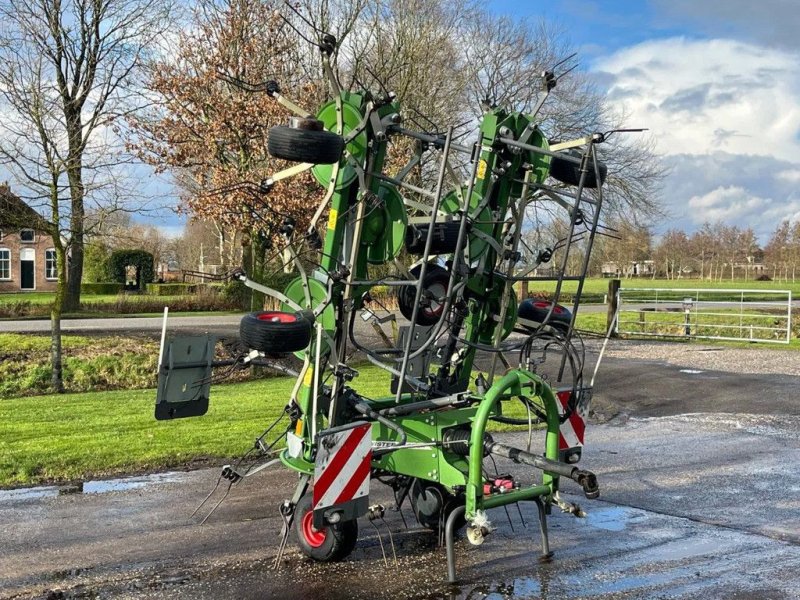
(56, 359)
(76, 225)
(247, 265)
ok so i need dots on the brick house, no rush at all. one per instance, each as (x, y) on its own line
(27, 256)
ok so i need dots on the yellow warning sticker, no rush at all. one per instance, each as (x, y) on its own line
(309, 377)
(481, 169)
(298, 429)
(332, 217)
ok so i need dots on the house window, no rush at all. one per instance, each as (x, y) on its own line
(50, 269)
(27, 235)
(5, 263)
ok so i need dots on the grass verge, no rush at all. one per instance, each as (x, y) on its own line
(68, 437)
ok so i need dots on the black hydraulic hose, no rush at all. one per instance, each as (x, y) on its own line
(586, 479)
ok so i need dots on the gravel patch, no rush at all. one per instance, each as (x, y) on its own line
(710, 357)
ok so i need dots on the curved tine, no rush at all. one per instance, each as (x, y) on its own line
(391, 539)
(214, 489)
(216, 506)
(380, 539)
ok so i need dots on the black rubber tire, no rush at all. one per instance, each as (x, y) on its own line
(275, 332)
(570, 172)
(445, 237)
(536, 310)
(427, 314)
(329, 544)
(305, 145)
(426, 502)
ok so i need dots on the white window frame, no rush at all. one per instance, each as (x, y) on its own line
(9, 264)
(55, 265)
(33, 241)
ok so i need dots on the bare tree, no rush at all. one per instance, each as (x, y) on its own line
(68, 70)
(506, 57)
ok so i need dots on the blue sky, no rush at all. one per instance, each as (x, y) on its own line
(717, 83)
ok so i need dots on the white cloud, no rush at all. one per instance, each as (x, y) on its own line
(790, 175)
(735, 204)
(700, 96)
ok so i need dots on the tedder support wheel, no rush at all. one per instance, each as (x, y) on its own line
(329, 544)
(570, 173)
(305, 145)
(434, 288)
(275, 332)
(432, 504)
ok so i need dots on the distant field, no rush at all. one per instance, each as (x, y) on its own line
(599, 285)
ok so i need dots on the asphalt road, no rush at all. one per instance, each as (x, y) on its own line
(700, 498)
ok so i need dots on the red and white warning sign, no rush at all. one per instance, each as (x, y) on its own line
(342, 467)
(570, 433)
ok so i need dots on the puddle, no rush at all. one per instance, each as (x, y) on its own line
(615, 518)
(100, 486)
(129, 483)
(682, 549)
(691, 371)
(29, 493)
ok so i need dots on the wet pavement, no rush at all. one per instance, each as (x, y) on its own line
(704, 505)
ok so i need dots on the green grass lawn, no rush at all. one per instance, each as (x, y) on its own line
(79, 436)
(42, 298)
(599, 285)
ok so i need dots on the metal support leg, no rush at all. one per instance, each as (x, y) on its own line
(448, 539)
(546, 554)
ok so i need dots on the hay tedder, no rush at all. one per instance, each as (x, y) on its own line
(460, 220)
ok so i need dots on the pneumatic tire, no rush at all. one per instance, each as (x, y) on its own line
(305, 145)
(275, 332)
(570, 173)
(435, 284)
(329, 544)
(432, 504)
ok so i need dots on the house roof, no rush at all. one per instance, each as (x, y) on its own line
(14, 213)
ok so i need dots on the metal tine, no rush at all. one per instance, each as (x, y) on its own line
(521, 518)
(508, 516)
(214, 489)
(216, 506)
(391, 539)
(287, 525)
(380, 539)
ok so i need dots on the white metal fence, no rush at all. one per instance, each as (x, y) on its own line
(719, 314)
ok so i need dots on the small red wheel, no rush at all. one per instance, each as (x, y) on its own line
(313, 537)
(330, 543)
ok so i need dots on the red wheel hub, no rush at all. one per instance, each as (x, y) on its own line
(546, 305)
(314, 537)
(277, 317)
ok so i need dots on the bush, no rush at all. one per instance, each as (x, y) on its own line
(171, 289)
(235, 293)
(107, 288)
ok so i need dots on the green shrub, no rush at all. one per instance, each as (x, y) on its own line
(106, 288)
(171, 289)
(235, 293)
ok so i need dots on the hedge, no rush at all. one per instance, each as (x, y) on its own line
(108, 288)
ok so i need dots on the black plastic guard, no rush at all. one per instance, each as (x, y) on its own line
(184, 377)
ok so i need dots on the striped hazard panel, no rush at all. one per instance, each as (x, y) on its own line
(342, 468)
(570, 434)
